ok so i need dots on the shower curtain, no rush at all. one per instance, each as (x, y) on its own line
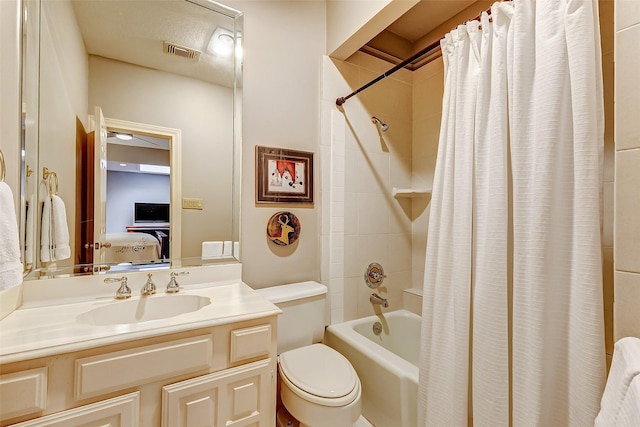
(512, 329)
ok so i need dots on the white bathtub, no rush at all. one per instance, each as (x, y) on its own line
(386, 364)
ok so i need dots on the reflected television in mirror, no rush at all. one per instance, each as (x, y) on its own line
(151, 212)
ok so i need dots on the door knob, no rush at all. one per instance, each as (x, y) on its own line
(97, 245)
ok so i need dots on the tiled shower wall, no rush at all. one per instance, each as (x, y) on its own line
(626, 236)
(363, 222)
(428, 88)
(360, 166)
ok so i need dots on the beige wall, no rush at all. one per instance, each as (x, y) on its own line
(64, 74)
(626, 239)
(284, 42)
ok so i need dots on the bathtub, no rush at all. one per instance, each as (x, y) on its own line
(386, 364)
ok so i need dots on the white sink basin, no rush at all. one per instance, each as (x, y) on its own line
(144, 309)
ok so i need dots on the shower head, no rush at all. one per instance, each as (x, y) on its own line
(383, 126)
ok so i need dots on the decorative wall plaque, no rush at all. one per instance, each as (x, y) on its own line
(283, 228)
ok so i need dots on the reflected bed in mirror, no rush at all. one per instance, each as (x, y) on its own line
(123, 57)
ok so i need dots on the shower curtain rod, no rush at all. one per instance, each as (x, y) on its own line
(433, 48)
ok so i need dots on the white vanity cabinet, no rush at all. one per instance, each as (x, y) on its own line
(224, 375)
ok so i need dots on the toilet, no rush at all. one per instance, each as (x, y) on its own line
(318, 386)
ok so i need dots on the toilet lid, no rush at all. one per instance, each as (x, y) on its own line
(319, 370)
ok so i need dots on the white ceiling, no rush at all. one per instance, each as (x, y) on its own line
(133, 31)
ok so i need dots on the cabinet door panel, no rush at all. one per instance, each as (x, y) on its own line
(236, 397)
(23, 393)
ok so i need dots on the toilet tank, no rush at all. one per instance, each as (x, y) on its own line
(303, 315)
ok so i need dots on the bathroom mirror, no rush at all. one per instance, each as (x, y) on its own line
(166, 73)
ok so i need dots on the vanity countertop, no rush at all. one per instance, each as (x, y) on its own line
(40, 331)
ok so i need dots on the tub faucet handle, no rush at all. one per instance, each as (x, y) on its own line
(123, 291)
(374, 275)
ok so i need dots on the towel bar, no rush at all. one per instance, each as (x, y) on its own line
(50, 177)
(3, 167)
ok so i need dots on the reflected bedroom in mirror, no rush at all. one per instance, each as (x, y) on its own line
(131, 135)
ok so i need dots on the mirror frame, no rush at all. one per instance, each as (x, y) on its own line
(31, 137)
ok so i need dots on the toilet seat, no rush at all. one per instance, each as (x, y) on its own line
(319, 374)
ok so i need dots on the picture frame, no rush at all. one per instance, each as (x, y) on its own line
(284, 176)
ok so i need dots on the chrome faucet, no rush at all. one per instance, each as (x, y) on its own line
(149, 288)
(173, 285)
(123, 291)
(377, 299)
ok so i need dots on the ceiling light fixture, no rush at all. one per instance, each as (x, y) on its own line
(221, 42)
(124, 136)
(164, 170)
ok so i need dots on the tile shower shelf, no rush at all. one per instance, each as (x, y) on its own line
(412, 193)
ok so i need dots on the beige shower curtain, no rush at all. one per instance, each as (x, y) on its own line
(512, 329)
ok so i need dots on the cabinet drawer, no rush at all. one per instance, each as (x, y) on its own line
(121, 411)
(23, 393)
(133, 367)
(250, 342)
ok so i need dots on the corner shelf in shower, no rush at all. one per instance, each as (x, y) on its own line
(411, 193)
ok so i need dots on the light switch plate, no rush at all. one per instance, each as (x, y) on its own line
(191, 203)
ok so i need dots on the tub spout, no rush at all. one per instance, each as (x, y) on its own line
(377, 299)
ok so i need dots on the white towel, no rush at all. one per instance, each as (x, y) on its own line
(211, 250)
(54, 234)
(625, 367)
(629, 413)
(10, 265)
(61, 248)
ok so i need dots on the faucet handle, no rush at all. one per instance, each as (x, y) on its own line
(123, 291)
(374, 275)
(173, 285)
(149, 288)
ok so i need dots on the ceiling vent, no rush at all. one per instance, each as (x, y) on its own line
(185, 52)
